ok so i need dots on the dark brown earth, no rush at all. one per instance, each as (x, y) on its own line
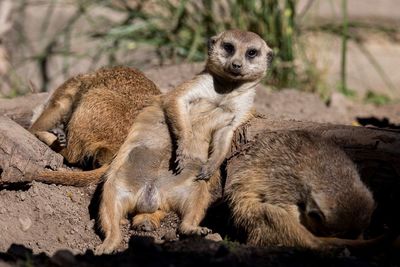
(45, 219)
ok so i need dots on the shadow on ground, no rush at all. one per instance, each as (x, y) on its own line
(143, 251)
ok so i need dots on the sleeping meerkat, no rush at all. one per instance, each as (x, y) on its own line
(201, 115)
(295, 189)
(97, 110)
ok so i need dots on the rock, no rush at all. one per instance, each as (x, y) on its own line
(214, 237)
(22, 196)
(19, 251)
(64, 258)
(170, 236)
(35, 189)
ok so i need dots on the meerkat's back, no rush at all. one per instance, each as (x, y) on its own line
(97, 110)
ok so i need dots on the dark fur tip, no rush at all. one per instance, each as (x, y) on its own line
(270, 57)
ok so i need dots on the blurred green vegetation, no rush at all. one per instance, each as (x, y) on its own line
(377, 99)
(180, 28)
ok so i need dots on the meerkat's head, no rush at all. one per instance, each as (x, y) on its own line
(239, 56)
(341, 214)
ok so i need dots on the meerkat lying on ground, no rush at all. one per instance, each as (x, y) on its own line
(295, 189)
(97, 111)
(202, 115)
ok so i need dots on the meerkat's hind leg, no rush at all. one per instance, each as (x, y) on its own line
(112, 211)
(148, 221)
(46, 137)
(194, 208)
(271, 225)
(58, 109)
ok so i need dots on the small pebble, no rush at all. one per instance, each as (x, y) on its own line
(214, 237)
(35, 189)
(26, 223)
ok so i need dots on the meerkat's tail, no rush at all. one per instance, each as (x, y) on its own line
(74, 178)
(359, 244)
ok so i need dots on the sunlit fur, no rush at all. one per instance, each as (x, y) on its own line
(200, 116)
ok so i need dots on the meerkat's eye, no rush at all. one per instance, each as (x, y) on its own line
(228, 47)
(252, 53)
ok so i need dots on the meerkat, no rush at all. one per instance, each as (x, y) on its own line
(96, 110)
(201, 115)
(295, 189)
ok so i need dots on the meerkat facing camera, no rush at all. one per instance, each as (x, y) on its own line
(295, 189)
(201, 115)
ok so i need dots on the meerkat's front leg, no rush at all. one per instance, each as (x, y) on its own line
(177, 114)
(221, 144)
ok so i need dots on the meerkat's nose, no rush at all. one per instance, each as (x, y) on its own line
(236, 64)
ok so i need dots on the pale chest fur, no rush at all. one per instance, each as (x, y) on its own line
(217, 110)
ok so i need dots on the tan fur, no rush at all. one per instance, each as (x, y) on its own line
(97, 110)
(201, 115)
(295, 189)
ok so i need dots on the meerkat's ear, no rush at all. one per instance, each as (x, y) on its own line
(270, 57)
(315, 207)
(210, 44)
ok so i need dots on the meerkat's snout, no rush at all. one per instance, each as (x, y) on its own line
(236, 66)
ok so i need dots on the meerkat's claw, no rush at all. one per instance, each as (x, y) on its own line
(205, 174)
(61, 136)
(180, 161)
(200, 231)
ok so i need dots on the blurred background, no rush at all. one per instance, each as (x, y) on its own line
(349, 48)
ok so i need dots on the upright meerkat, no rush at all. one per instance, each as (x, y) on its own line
(202, 115)
(295, 189)
(96, 110)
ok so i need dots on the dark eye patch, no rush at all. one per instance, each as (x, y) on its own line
(229, 48)
(251, 53)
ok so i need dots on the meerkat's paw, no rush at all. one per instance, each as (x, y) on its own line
(194, 230)
(145, 225)
(147, 222)
(205, 173)
(109, 245)
(61, 136)
(123, 221)
(104, 249)
(183, 156)
(187, 157)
